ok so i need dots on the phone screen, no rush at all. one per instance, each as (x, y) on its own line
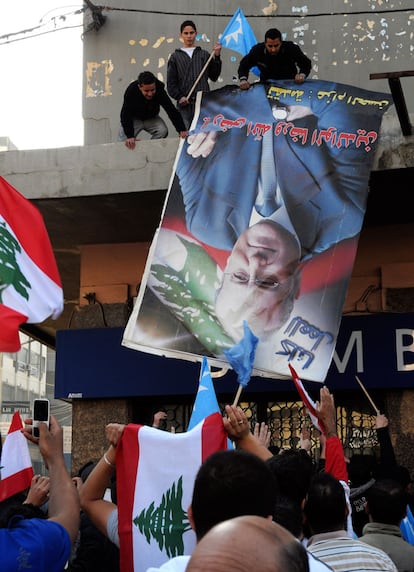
(41, 410)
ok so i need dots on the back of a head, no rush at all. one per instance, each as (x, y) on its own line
(86, 470)
(325, 506)
(293, 470)
(288, 514)
(248, 543)
(17, 507)
(361, 469)
(386, 501)
(397, 473)
(273, 34)
(274, 449)
(229, 484)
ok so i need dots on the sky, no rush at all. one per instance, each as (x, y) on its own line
(41, 77)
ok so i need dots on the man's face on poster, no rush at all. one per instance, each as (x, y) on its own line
(260, 281)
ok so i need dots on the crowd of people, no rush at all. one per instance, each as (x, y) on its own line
(249, 507)
(252, 507)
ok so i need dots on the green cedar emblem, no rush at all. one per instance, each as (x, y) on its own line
(189, 294)
(167, 523)
(10, 273)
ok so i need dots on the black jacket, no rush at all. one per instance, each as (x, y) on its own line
(285, 65)
(135, 106)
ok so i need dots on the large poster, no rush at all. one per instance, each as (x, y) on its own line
(260, 225)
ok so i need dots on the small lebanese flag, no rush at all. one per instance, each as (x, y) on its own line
(15, 465)
(307, 401)
(155, 473)
(30, 286)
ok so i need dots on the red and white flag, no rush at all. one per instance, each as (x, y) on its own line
(16, 470)
(155, 478)
(307, 401)
(30, 286)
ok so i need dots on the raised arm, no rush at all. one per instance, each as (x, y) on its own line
(335, 460)
(262, 433)
(387, 460)
(63, 498)
(238, 429)
(93, 490)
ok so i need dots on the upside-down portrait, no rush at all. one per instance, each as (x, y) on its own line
(261, 225)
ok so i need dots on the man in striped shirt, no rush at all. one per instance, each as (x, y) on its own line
(184, 68)
(326, 511)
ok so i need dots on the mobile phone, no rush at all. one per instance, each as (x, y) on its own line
(41, 413)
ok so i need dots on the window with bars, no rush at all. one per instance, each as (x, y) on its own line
(356, 429)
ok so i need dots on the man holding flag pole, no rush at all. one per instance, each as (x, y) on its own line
(190, 68)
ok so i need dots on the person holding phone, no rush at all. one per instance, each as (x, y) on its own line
(41, 414)
(43, 543)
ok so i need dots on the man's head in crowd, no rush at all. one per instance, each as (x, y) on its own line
(248, 543)
(229, 484)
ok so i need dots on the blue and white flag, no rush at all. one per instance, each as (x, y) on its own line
(407, 527)
(239, 36)
(206, 401)
(241, 355)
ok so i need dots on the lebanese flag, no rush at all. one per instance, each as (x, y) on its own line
(16, 470)
(307, 401)
(155, 473)
(30, 286)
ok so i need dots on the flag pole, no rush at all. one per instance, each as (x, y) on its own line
(200, 75)
(237, 397)
(368, 395)
(238, 17)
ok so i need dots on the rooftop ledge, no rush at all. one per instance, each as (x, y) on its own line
(111, 168)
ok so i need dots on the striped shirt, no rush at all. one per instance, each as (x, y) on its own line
(345, 554)
(182, 72)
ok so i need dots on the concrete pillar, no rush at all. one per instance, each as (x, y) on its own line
(89, 418)
(400, 408)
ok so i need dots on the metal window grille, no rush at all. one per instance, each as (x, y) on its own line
(356, 429)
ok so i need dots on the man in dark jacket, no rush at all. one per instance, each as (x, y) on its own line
(140, 110)
(276, 59)
(184, 77)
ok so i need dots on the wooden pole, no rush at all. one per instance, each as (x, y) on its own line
(236, 399)
(200, 75)
(377, 411)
